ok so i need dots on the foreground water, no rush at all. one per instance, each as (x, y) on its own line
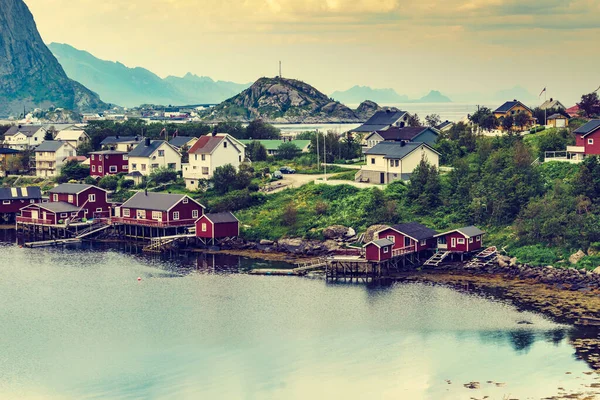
(79, 325)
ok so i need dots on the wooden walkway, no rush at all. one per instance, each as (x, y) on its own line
(158, 245)
(50, 243)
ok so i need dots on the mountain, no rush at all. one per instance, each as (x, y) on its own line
(357, 94)
(30, 76)
(131, 87)
(434, 97)
(281, 100)
(517, 92)
(367, 108)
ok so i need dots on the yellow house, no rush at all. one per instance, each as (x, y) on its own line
(513, 108)
(392, 161)
(557, 121)
(6, 155)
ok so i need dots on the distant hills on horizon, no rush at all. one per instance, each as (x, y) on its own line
(358, 94)
(130, 87)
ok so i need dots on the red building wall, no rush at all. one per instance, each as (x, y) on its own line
(466, 247)
(185, 211)
(100, 164)
(374, 253)
(80, 199)
(399, 240)
(15, 205)
(51, 218)
(209, 226)
(222, 230)
(594, 148)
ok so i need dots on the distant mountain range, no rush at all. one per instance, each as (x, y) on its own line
(357, 94)
(30, 76)
(129, 87)
(499, 97)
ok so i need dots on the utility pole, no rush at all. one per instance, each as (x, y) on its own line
(280, 76)
(325, 155)
(318, 157)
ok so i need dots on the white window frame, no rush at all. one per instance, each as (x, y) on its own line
(99, 210)
(423, 242)
(64, 215)
(70, 198)
(194, 213)
(140, 214)
(386, 249)
(112, 169)
(100, 169)
(157, 215)
(185, 200)
(204, 227)
(470, 240)
(92, 197)
(478, 238)
(55, 197)
(590, 141)
(126, 212)
(93, 168)
(391, 238)
(175, 215)
(460, 241)
(5, 201)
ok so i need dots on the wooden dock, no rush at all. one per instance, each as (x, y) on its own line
(51, 243)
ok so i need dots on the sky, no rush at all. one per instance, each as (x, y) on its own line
(460, 47)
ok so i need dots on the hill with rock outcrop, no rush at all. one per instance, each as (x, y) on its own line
(30, 76)
(282, 100)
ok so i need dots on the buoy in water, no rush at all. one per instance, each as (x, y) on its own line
(139, 278)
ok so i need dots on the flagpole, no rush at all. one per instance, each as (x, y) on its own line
(546, 108)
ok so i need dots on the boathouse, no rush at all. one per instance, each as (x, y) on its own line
(379, 250)
(91, 199)
(159, 210)
(52, 213)
(462, 240)
(410, 236)
(217, 226)
(13, 199)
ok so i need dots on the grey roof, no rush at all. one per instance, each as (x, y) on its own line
(70, 188)
(20, 193)
(380, 120)
(221, 218)
(141, 150)
(557, 116)
(134, 173)
(588, 128)
(444, 124)
(27, 130)
(180, 141)
(59, 206)
(121, 139)
(552, 103)
(154, 201)
(415, 230)
(508, 105)
(49, 145)
(407, 133)
(108, 152)
(370, 128)
(468, 231)
(381, 242)
(396, 150)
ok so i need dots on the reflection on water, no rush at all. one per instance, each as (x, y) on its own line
(79, 325)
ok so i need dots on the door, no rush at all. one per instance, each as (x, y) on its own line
(35, 214)
(44, 215)
(560, 123)
(453, 243)
(382, 177)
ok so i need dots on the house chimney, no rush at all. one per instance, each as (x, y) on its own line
(551, 99)
(146, 191)
(147, 141)
(388, 111)
(402, 143)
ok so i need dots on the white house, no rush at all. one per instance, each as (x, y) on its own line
(391, 161)
(208, 153)
(50, 157)
(24, 137)
(75, 137)
(152, 154)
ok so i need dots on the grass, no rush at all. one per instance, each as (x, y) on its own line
(344, 176)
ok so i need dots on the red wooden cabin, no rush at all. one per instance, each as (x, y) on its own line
(160, 210)
(13, 199)
(411, 236)
(462, 240)
(588, 137)
(108, 162)
(52, 213)
(91, 199)
(379, 250)
(217, 226)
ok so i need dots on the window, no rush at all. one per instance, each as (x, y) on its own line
(176, 215)
(391, 238)
(171, 165)
(161, 153)
(478, 238)
(185, 200)
(461, 241)
(225, 144)
(93, 157)
(240, 158)
(54, 197)
(73, 214)
(64, 215)
(91, 198)
(126, 167)
(112, 168)
(204, 227)
(141, 214)
(134, 167)
(372, 160)
(5, 201)
(397, 163)
(32, 201)
(386, 249)
(99, 210)
(157, 215)
(154, 166)
(196, 157)
(423, 242)
(126, 212)
(203, 157)
(143, 167)
(93, 168)
(590, 141)
(125, 157)
(391, 163)
(70, 199)
(204, 170)
(194, 213)
(85, 211)
(100, 169)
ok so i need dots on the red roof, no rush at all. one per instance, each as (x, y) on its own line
(77, 158)
(573, 111)
(206, 144)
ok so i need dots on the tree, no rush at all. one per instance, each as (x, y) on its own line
(163, 175)
(72, 170)
(256, 151)
(424, 187)
(287, 151)
(49, 134)
(109, 182)
(522, 120)
(224, 178)
(185, 156)
(85, 148)
(413, 120)
(508, 123)
(433, 120)
(484, 119)
(590, 104)
(235, 129)
(258, 129)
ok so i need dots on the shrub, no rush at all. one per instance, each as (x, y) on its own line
(127, 184)
(109, 182)
(321, 208)
(535, 255)
(290, 215)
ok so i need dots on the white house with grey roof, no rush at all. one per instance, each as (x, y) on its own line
(50, 157)
(75, 137)
(392, 161)
(24, 137)
(153, 154)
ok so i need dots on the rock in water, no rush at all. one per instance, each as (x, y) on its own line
(30, 75)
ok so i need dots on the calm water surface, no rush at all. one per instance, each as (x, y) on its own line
(78, 325)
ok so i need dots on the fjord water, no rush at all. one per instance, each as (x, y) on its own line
(78, 325)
